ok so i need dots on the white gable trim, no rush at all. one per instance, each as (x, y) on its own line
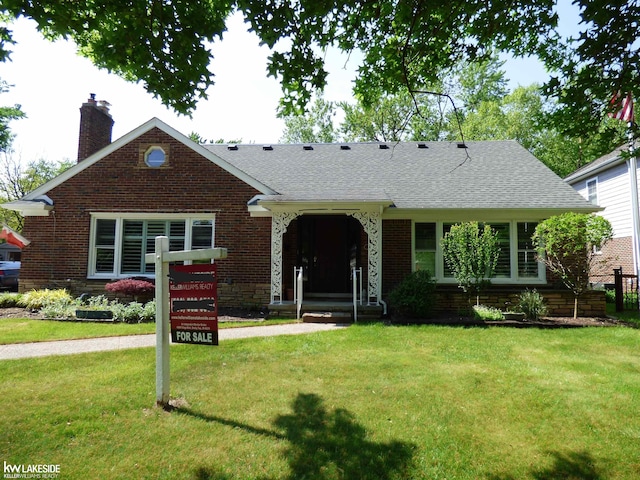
(132, 135)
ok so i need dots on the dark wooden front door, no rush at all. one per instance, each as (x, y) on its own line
(327, 249)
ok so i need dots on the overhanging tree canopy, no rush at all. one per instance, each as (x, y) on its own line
(405, 44)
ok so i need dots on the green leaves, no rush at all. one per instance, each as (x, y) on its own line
(471, 252)
(568, 243)
(406, 45)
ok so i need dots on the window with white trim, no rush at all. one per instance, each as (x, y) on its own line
(528, 265)
(425, 247)
(119, 243)
(517, 261)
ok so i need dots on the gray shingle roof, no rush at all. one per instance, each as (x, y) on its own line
(495, 174)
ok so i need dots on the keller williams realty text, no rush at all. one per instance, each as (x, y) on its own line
(31, 471)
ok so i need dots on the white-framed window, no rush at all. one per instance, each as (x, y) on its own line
(517, 261)
(119, 242)
(592, 191)
(425, 240)
(528, 265)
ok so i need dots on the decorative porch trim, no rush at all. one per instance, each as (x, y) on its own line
(279, 223)
(372, 224)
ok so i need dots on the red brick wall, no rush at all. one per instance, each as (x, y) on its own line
(616, 253)
(121, 182)
(559, 302)
(396, 253)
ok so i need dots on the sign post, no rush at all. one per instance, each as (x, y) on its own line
(161, 258)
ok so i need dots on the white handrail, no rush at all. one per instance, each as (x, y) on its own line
(356, 276)
(297, 290)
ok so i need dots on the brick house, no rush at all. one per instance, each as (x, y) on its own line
(327, 208)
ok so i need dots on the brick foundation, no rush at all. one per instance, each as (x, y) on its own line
(559, 302)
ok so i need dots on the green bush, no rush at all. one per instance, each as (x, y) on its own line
(63, 308)
(610, 296)
(414, 296)
(59, 304)
(482, 312)
(134, 312)
(531, 303)
(37, 299)
(10, 299)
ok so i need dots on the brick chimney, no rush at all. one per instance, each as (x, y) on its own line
(95, 127)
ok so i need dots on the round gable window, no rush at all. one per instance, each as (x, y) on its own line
(155, 157)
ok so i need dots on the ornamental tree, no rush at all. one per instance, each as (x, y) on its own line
(132, 287)
(471, 252)
(568, 246)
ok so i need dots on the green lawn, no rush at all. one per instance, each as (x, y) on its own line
(630, 316)
(22, 330)
(367, 402)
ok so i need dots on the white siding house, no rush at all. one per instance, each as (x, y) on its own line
(606, 183)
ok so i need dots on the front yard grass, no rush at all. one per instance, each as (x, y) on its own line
(366, 402)
(23, 330)
(630, 316)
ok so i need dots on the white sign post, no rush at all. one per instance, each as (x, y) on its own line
(162, 257)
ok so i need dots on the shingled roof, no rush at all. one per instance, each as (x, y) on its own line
(410, 175)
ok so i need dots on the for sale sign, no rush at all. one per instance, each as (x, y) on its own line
(193, 298)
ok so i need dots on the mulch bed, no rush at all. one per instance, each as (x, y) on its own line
(244, 315)
(545, 322)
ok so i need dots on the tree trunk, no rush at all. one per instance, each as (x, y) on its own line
(575, 306)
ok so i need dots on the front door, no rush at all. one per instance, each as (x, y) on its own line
(328, 248)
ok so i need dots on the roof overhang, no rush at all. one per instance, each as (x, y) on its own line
(264, 206)
(37, 207)
(480, 214)
(590, 172)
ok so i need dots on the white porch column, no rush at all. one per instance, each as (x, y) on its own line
(372, 224)
(279, 223)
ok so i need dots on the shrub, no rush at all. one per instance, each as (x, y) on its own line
(10, 299)
(531, 303)
(610, 296)
(414, 296)
(134, 312)
(99, 302)
(132, 287)
(61, 309)
(37, 299)
(149, 312)
(482, 312)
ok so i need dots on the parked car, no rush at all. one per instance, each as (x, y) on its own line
(9, 274)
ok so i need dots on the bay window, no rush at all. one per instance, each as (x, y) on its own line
(119, 243)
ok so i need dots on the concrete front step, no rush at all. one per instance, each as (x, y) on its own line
(327, 317)
(288, 309)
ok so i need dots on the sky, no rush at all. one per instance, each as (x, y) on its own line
(50, 82)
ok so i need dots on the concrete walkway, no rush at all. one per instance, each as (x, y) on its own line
(68, 347)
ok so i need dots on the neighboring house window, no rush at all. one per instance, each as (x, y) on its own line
(425, 247)
(592, 191)
(516, 261)
(119, 244)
